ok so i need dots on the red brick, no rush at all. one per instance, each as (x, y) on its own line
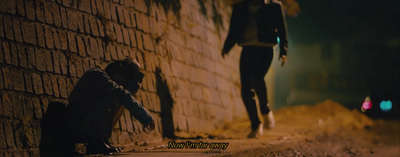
(66, 3)
(140, 5)
(7, 105)
(47, 84)
(8, 128)
(63, 18)
(81, 46)
(39, 10)
(99, 6)
(125, 33)
(113, 50)
(8, 28)
(30, 9)
(11, 7)
(28, 108)
(70, 85)
(86, 23)
(17, 31)
(40, 60)
(125, 52)
(63, 87)
(139, 41)
(18, 131)
(101, 28)
(7, 54)
(71, 42)
(85, 64)
(94, 7)
(31, 58)
(20, 7)
(63, 40)
(3, 144)
(94, 48)
(54, 82)
(49, 37)
(81, 24)
(107, 10)
(28, 81)
(27, 138)
(143, 23)
(37, 107)
(37, 83)
(18, 80)
(45, 103)
(100, 48)
(107, 53)
(84, 6)
(18, 106)
(63, 64)
(28, 32)
(47, 13)
(120, 15)
(1, 26)
(72, 68)
(148, 42)
(133, 19)
(113, 12)
(3, 8)
(118, 32)
(93, 26)
(14, 54)
(72, 20)
(1, 85)
(127, 19)
(120, 53)
(78, 66)
(40, 35)
(56, 39)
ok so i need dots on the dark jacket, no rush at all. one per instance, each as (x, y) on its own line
(92, 104)
(271, 24)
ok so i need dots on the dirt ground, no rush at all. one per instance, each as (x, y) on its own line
(324, 129)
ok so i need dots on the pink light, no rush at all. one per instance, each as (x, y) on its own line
(367, 105)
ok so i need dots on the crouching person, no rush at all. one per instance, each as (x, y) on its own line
(98, 100)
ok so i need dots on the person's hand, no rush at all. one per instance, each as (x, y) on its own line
(150, 126)
(282, 58)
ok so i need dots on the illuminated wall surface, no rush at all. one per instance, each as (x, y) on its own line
(47, 45)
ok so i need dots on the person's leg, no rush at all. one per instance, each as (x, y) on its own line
(264, 57)
(246, 73)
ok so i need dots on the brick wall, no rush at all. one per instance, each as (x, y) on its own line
(46, 45)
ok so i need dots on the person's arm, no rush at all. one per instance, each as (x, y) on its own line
(282, 34)
(127, 100)
(230, 41)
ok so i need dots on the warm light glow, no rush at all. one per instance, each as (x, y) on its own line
(386, 105)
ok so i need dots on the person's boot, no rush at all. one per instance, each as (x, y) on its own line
(111, 148)
(269, 121)
(256, 133)
(99, 146)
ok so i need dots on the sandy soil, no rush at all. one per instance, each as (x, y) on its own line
(324, 129)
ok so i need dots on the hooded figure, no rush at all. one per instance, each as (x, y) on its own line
(98, 100)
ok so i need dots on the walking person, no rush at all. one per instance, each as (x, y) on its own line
(256, 25)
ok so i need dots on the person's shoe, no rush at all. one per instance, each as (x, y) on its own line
(269, 121)
(256, 133)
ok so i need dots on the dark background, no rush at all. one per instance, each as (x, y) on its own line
(368, 35)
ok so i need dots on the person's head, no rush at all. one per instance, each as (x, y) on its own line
(126, 73)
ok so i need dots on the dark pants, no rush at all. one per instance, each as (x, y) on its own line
(254, 64)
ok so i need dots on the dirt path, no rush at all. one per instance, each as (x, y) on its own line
(325, 129)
